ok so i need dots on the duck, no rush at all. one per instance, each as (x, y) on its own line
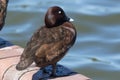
(3, 12)
(50, 43)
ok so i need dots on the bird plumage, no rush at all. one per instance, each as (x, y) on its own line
(50, 42)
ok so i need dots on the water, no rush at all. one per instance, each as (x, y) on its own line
(96, 52)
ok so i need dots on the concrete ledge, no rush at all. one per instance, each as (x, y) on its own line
(9, 57)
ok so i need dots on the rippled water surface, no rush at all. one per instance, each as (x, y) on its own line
(96, 53)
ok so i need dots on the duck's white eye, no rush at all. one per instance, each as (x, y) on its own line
(59, 12)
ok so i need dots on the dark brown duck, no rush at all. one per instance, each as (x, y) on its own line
(3, 11)
(50, 42)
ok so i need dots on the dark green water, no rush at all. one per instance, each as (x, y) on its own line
(96, 53)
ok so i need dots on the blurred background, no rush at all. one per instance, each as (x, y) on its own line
(96, 52)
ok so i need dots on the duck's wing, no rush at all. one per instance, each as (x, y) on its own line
(27, 56)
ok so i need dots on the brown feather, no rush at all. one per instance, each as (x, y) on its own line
(50, 42)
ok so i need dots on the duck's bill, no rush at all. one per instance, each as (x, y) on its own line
(71, 19)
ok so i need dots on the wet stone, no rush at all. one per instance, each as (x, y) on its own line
(46, 73)
(4, 43)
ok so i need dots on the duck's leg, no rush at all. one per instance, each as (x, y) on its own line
(54, 70)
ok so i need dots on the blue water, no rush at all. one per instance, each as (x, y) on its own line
(96, 52)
